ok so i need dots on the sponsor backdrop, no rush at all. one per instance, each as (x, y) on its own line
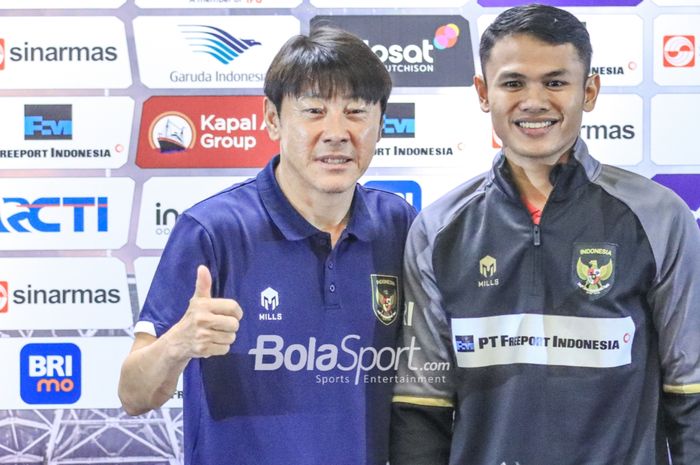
(117, 115)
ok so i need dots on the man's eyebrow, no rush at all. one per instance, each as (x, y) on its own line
(516, 75)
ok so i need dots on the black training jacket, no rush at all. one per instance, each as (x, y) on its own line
(575, 342)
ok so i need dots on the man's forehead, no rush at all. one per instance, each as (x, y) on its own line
(521, 55)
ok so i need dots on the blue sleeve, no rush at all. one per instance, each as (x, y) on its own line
(189, 246)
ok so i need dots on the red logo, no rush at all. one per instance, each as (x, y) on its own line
(204, 132)
(2, 54)
(679, 51)
(4, 296)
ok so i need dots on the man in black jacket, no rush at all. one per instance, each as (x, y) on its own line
(553, 303)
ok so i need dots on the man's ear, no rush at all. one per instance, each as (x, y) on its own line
(272, 119)
(483, 92)
(591, 91)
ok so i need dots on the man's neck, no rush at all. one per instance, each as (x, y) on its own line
(328, 212)
(532, 179)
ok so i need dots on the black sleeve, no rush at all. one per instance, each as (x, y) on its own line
(420, 435)
(682, 420)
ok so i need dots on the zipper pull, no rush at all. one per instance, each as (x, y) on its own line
(536, 235)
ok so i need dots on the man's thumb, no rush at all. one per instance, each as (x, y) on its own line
(202, 287)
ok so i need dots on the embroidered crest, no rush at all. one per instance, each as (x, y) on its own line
(594, 267)
(385, 297)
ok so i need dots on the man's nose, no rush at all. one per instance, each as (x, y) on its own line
(336, 127)
(534, 99)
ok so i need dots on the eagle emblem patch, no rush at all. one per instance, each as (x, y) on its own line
(594, 267)
(385, 297)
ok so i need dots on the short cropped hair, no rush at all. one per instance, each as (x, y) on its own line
(546, 23)
(329, 62)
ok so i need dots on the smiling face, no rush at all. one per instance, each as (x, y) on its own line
(325, 144)
(536, 93)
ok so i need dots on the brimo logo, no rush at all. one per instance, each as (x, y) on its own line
(271, 354)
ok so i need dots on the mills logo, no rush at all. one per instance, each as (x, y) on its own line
(488, 269)
(50, 373)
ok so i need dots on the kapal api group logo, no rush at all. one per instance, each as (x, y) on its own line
(204, 132)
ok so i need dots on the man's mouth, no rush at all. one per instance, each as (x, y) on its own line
(334, 160)
(534, 124)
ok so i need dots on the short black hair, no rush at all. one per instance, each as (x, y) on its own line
(547, 23)
(328, 62)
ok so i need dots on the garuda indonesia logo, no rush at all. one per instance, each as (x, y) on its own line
(385, 297)
(595, 267)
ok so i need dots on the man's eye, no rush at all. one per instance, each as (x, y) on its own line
(512, 84)
(556, 83)
(314, 111)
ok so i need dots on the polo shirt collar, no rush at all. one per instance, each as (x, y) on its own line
(294, 226)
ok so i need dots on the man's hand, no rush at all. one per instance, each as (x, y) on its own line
(209, 325)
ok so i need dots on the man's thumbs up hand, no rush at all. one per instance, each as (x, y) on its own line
(209, 325)
(202, 286)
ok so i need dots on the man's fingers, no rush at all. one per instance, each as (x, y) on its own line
(228, 307)
(202, 287)
(224, 323)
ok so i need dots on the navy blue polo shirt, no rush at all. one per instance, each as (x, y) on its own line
(308, 380)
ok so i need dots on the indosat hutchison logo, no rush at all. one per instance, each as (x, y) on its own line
(50, 373)
(418, 51)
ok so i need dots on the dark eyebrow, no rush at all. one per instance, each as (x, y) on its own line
(556, 73)
(515, 75)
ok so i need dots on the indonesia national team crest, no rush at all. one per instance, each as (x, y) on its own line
(594, 267)
(385, 297)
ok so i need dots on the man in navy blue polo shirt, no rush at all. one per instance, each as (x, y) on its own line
(305, 377)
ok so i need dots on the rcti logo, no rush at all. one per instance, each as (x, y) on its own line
(48, 122)
(399, 120)
(20, 215)
(216, 42)
(679, 51)
(50, 373)
(464, 343)
(409, 190)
